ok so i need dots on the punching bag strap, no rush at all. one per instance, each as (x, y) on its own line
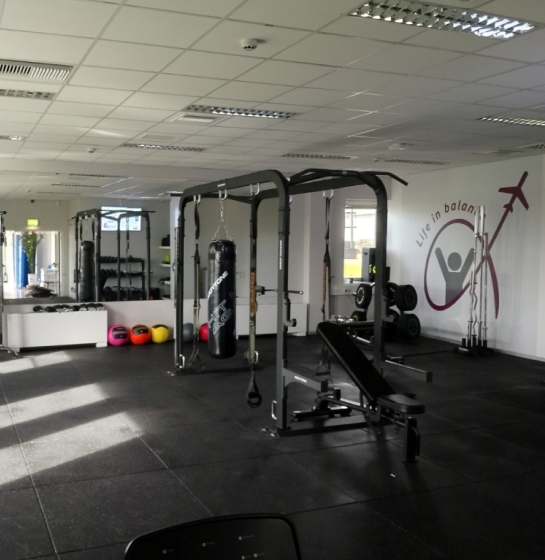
(93, 229)
(221, 232)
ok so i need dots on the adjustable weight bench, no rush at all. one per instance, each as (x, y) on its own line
(380, 403)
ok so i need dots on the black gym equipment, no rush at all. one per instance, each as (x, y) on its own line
(308, 181)
(89, 277)
(271, 536)
(379, 403)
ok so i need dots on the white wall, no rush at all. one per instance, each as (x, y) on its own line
(419, 211)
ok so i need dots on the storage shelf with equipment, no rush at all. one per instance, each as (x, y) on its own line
(165, 280)
(123, 270)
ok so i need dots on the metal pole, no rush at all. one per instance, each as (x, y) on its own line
(481, 238)
(485, 325)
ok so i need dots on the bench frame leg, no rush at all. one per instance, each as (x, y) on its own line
(411, 446)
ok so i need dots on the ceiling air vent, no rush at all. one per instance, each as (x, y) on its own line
(317, 156)
(199, 119)
(171, 138)
(237, 112)
(35, 70)
(415, 161)
(164, 147)
(26, 94)
(534, 147)
(8, 137)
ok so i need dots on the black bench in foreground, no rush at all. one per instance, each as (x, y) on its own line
(380, 404)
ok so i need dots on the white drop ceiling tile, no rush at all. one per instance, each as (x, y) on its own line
(285, 73)
(59, 17)
(471, 93)
(16, 129)
(55, 138)
(206, 140)
(227, 35)
(425, 107)
(368, 102)
(272, 135)
(18, 104)
(79, 109)
(109, 78)
(295, 125)
(523, 78)
(405, 59)
(200, 7)
(519, 100)
(19, 117)
(460, 42)
(139, 114)
(223, 132)
(121, 135)
(472, 111)
(249, 142)
(328, 115)
(303, 14)
(40, 47)
(250, 91)
(159, 101)
(330, 134)
(471, 67)
(176, 128)
(352, 80)
(182, 85)
(310, 96)
(153, 27)
(331, 49)
(62, 130)
(299, 109)
(69, 120)
(126, 125)
(289, 145)
(224, 149)
(527, 48)
(212, 65)
(415, 86)
(97, 96)
(371, 29)
(381, 119)
(130, 56)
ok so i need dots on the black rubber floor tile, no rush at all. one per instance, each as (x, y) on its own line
(13, 469)
(181, 446)
(115, 510)
(529, 400)
(32, 404)
(477, 383)
(131, 390)
(227, 384)
(466, 522)
(236, 406)
(86, 452)
(529, 434)
(259, 485)
(115, 552)
(148, 416)
(22, 527)
(479, 456)
(374, 470)
(113, 372)
(62, 375)
(355, 531)
(477, 412)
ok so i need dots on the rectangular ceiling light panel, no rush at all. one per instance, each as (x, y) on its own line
(9, 137)
(446, 18)
(513, 120)
(317, 156)
(27, 94)
(164, 147)
(234, 112)
(415, 161)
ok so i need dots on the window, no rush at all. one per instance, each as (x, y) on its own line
(359, 234)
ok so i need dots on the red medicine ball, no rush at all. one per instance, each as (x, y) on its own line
(203, 332)
(140, 334)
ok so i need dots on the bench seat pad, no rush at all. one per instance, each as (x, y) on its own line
(401, 403)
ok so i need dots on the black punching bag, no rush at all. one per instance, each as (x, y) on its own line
(86, 280)
(222, 342)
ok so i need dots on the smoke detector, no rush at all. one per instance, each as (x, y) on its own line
(249, 44)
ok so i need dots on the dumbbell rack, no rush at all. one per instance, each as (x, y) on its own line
(118, 273)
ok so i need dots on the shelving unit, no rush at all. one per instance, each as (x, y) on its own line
(126, 273)
(166, 294)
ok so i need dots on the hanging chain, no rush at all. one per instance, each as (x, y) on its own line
(221, 232)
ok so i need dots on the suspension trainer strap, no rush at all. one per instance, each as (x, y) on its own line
(326, 274)
(196, 273)
(93, 230)
(253, 396)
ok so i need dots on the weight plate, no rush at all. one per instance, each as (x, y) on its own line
(364, 294)
(408, 326)
(405, 297)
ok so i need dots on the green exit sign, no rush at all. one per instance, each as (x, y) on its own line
(32, 222)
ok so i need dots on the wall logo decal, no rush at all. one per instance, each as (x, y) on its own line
(455, 268)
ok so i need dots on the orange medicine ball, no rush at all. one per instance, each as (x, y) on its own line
(140, 334)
